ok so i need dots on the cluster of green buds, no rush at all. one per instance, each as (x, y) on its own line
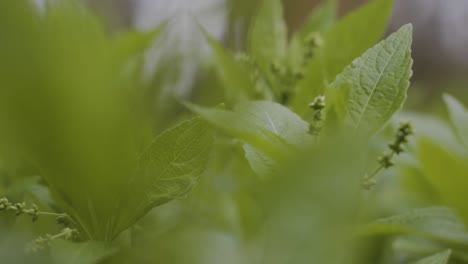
(287, 78)
(317, 105)
(395, 148)
(312, 41)
(19, 208)
(43, 242)
(69, 232)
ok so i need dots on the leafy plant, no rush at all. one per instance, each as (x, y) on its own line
(280, 170)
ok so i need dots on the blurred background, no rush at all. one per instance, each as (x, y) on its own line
(440, 46)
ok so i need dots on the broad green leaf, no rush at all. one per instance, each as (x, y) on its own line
(255, 129)
(459, 117)
(377, 82)
(439, 258)
(90, 252)
(235, 78)
(447, 171)
(268, 34)
(277, 119)
(438, 223)
(321, 18)
(343, 42)
(168, 168)
(66, 107)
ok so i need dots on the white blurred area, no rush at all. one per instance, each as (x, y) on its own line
(440, 26)
(440, 31)
(183, 38)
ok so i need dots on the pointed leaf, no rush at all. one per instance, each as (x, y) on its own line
(322, 17)
(268, 35)
(377, 82)
(131, 43)
(236, 80)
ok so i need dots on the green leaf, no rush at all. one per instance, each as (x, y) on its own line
(439, 258)
(268, 35)
(277, 119)
(235, 77)
(132, 43)
(447, 171)
(377, 82)
(168, 168)
(459, 117)
(90, 252)
(343, 42)
(254, 128)
(321, 18)
(437, 223)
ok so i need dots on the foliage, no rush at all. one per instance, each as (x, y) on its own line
(278, 169)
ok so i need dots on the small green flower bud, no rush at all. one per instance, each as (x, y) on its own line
(397, 148)
(318, 103)
(386, 161)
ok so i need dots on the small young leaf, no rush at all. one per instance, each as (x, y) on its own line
(268, 35)
(343, 42)
(90, 252)
(131, 43)
(322, 17)
(235, 78)
(459, 118)
(439, 258)
(377, 82)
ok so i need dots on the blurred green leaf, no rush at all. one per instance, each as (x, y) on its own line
(129, 44)
(268, 34)
(311, 204)
(321, 18)
(279, 120)
(376, 82)
(438, 223)
(247, 127)
(446, 170)
(90, 252)
(236, 80)
(439, 258)
(342, 43)
(459, 117)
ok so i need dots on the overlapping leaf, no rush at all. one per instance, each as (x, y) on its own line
(437, 223)
(342, 43)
